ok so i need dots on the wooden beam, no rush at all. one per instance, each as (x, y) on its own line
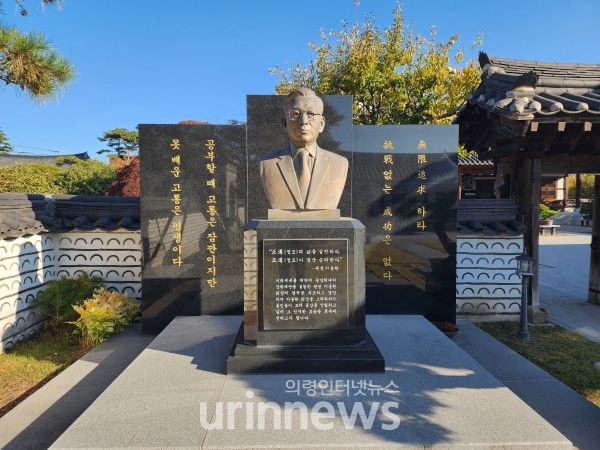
(499, 152)
(529, 178)
(506, 168)
(594, 284)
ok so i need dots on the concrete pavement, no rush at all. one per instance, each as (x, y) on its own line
(564, 269)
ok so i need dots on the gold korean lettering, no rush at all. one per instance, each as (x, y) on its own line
(211, 156)
(211, 183)
(387, 211)
(387, 275)
(421, 189)
(176, 187)
(422, 145)
(421, 225)
(421, 211)
(212, 237)
(178, 261)
(387, 145)
(421, 175)
(388, 159)
(176, 159)
(211, 167)
(387, 189)
(177, 237)
(387, 262)
(387, 175)
(210, 143)
(176, 225)
(387, 226)
(387, 239)
(212, 199)
(176, 199)
(175, 144)
(176, 171)
(421, 159)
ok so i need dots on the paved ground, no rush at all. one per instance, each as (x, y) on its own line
(564, 277)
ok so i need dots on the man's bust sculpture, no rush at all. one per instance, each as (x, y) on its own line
(303, 176)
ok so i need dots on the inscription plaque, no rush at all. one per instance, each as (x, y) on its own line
(305, 284)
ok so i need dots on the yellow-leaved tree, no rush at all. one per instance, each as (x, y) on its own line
(394, 76)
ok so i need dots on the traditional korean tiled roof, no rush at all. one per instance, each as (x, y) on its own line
(474, 161)
(13, 159)
(523, 90)
(489, 217)
(27, 214)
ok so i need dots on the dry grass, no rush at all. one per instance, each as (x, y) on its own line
(564, 354)
(29, 365)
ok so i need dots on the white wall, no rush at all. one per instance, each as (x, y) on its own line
(487, 286)
(28, 263)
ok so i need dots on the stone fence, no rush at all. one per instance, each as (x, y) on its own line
(47, 237)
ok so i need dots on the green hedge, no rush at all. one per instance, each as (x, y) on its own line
(30, 179)
(89, 177)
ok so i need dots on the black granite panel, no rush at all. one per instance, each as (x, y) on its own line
(266, 133)
(193, 207)
(349, 329)
(363, 357)
(405, 192)
(305, 284)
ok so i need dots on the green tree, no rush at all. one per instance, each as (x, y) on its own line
(5, 146)
(90, 177)
(29, 62)
(122, 142)
(394, 76)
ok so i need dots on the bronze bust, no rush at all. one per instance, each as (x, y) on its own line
(302, 175)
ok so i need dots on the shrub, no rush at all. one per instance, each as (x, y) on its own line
(546, 212)
(30, 179)
(89, 177)
(127, 183)
(106, 312)
(57, 300)
(587, 209)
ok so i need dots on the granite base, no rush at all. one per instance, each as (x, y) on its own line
(250, 359)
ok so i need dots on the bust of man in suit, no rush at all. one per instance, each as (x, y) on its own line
(302, 175)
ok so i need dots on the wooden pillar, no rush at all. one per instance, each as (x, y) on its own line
(594, 290)
(529, 191)
(459, 183)
(578, 190)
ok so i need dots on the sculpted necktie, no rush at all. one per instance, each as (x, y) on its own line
(304, 175)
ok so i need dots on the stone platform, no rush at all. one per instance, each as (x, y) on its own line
(177, 386)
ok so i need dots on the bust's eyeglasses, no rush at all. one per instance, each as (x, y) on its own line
(295, 114)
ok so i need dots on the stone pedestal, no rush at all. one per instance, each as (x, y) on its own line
(304, 299)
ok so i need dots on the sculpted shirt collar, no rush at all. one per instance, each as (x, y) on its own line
(312, 149)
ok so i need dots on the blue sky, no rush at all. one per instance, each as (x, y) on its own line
(150, 61)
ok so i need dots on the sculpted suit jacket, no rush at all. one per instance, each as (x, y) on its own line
(281, 184)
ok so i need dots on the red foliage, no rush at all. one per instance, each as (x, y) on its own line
(445, 326)
(127, 183)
